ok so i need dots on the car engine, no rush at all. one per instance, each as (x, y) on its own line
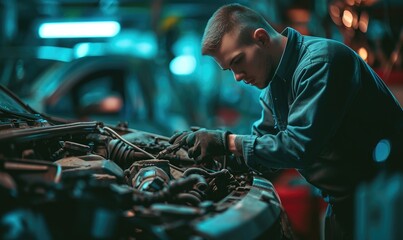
(85, 180)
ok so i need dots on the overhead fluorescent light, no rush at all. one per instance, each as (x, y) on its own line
(79, 29)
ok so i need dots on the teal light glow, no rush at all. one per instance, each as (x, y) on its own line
(79, 29)
(82, 49)
(55, 53)
(382, 150)
(183, 65)
(142, 44)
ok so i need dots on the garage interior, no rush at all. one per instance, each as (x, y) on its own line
(136, 64)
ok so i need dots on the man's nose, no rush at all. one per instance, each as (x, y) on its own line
(239, 76)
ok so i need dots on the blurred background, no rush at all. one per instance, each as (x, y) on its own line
(138, 63)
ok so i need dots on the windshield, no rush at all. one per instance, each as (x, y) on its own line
(9, 104)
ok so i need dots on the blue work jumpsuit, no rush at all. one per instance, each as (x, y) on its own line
(323, 113)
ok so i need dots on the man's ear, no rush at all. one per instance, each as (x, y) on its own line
(261, 36)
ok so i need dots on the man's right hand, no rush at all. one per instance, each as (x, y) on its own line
(203, 144)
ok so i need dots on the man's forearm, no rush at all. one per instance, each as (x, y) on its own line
(232, 146)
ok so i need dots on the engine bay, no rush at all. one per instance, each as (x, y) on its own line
(87, 180)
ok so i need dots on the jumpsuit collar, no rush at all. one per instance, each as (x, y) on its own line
(289, 59)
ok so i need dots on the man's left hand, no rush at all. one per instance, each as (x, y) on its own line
(203, 144)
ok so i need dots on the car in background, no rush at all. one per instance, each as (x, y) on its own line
(112, 89)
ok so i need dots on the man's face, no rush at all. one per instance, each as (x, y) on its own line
(251, 63)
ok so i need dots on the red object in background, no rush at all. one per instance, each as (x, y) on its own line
(305, 210)
(227, 116)
(394, 77)
(394, 80)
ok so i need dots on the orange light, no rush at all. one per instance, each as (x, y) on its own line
(394, 56)
(334, 11)
(350, 2)
(363, 53)
(112, 104)
(335, 14)
(347, 18)
(363, 23)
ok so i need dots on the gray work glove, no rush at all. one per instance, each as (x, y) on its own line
(203, 144)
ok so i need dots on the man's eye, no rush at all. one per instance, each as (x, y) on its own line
(237, 60)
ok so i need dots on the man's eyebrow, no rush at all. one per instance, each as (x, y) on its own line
(231, 62)
(233, 59)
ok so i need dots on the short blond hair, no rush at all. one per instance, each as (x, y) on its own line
(232, 17)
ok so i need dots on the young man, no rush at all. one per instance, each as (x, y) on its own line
(324, 108)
